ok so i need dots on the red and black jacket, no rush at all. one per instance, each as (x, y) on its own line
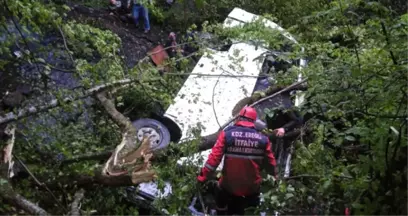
(245, 151)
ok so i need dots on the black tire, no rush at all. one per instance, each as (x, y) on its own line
(150, 126)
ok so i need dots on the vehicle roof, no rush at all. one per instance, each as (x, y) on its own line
(239, 17)
(207, 98)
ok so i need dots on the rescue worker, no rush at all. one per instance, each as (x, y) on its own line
(245, 149)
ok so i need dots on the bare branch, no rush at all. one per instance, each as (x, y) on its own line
(289, 88)
(314, 176)
(40, 184)
(75, 206)
(32, 110)
(217, 75)
(117, 117)
(261, 99)
(81, 180)
(261, 94)
(208, 142)
(7, 156)
(96, 156)
(65, 45)
(387, 39)
(8, 194)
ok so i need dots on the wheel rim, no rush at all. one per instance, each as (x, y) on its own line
(155, 137)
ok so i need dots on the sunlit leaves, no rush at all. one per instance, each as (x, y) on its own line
(356, 70)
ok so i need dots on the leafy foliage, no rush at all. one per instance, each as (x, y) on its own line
(352, 152)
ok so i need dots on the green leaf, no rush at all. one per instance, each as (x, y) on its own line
(185, 188)
(350, 138)
(326, 184)
(66, 7)
(41, 60)
(47, 69)
(3, 181)
(274, 198)
(357, 206)
(288, 196)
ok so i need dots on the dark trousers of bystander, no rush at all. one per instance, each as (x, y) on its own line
(229, 204)
(140, 10)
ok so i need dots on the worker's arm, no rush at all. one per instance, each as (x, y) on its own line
(214, 159)
(271, 167)
(296, 120)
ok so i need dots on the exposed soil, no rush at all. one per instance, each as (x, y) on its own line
(135, 43)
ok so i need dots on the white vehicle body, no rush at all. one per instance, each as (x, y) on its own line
(236, 18)
(207, 99)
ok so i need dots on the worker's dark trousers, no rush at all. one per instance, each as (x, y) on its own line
(228, 204)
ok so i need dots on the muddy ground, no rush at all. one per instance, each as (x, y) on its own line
(135, 43)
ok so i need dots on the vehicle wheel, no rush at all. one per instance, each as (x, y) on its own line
(160, 135)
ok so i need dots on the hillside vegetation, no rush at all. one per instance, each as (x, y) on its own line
(69, 80)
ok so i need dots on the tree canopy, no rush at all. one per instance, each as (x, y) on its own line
(68, 93)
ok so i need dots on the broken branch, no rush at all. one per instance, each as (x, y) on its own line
(75, 206)
(129, 151)
(7, 156)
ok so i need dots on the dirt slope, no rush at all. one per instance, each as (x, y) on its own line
(135, 43)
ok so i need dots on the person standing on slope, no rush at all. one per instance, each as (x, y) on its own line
(245, 149)
(140, 9)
